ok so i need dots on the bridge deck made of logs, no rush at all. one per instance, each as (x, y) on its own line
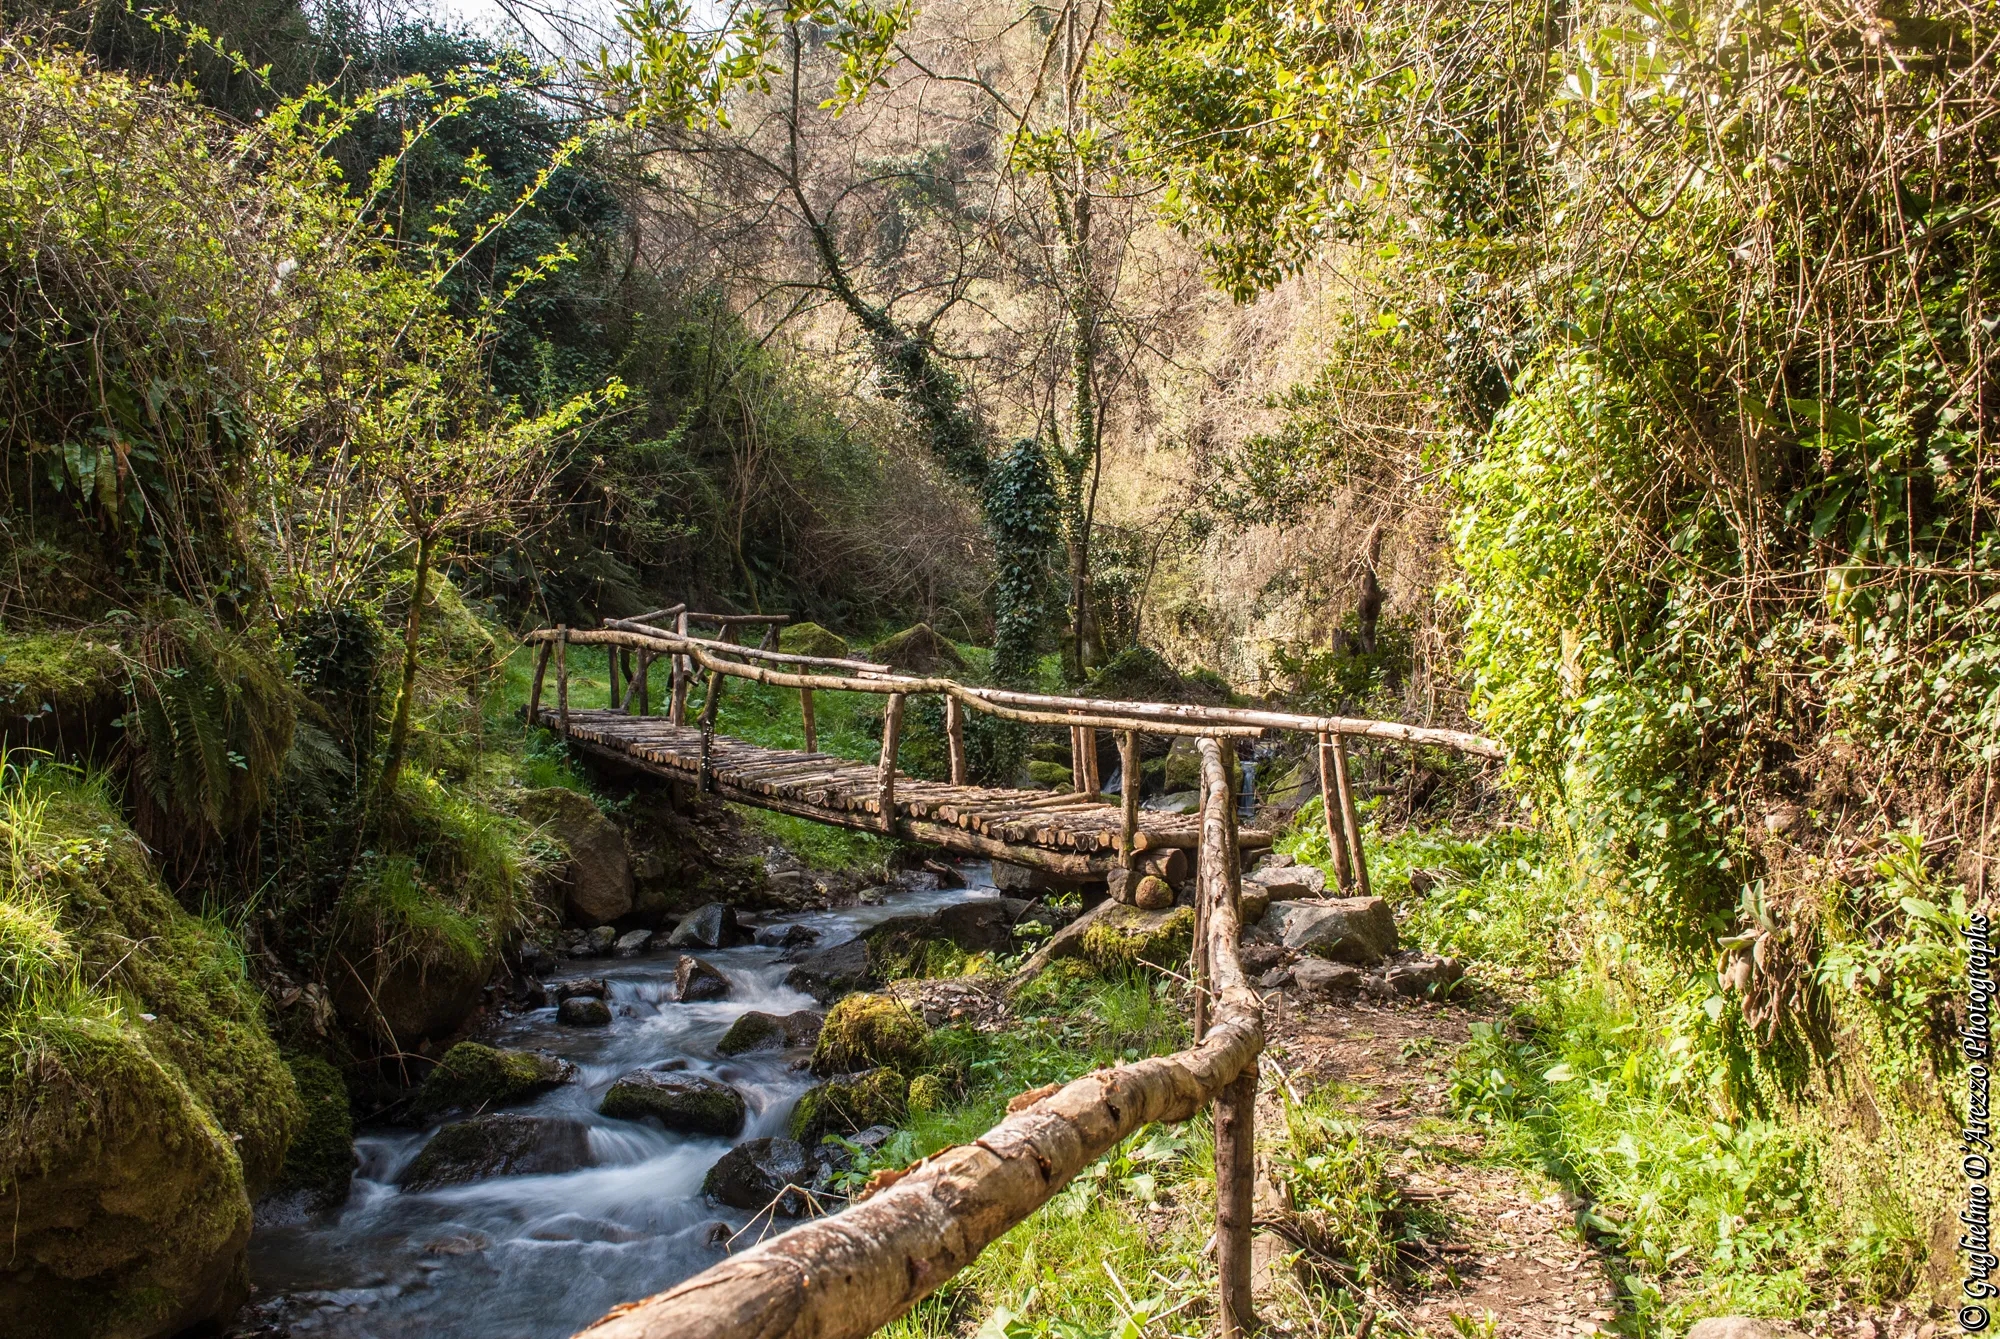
(1064, 833)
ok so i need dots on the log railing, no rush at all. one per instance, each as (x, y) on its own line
(722, 659)
(849, 1274)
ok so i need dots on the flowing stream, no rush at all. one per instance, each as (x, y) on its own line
(538, 1257)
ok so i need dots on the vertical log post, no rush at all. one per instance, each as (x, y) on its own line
(954, 737)
(770, 642)
(1350, 816)
(1219, 895)
(1076, 758)
(711, 703)
(613, 662)
(806, 714)
(535, 693)
(1128, 792)
(677, 707)
(562, 678)
(885, 771)
(636, 696)
(1336, 814)
(1093, 783)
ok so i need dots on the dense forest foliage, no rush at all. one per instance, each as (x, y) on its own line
(1611, 379)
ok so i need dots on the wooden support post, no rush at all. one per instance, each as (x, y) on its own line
(1218, 901)
(535, 693)
(614, 660)
(562, 678)
(1336, 815)
(677, 707)
(711, 704)
(636, 696)
(806, 713)
(1076, 758)
(885, 771)
(1235, 1175)
(954, 738)
(1350, 816)
(770, 642)
(1128, 791)
(1093, 782)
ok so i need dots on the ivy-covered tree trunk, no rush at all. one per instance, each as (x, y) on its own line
(1022, 510)
(399, 729)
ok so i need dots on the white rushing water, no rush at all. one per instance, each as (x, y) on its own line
(538, 1257)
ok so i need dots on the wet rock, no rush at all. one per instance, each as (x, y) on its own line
(582, 985)
(831, 973)
(1317, 976)
(531, 994)
(711, 926)
(687, 1103)
(762, 1173)
(498, 1145)
(473, 1077)
(759, 1031)
(632, 944)
(696, 980)
(948, 876)
(868, 1032)
(597, 879)
(1423, 974)
(854, 1102)
(538, 959)
(983, 926)
(598, 943)
(1177, 802)
(787, 936)
(1343, 929)
(584, 1011)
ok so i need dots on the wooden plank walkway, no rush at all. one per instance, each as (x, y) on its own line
(1065, 833)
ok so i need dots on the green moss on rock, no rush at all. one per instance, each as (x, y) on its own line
(919, 650)
(59, 671)
(472, 1077)
(1127, 939)
(867, 1031)
(1050, 774)
(850, 1104)
(130, 1147)
(319, 1165)
(688, 1103)
(928, 1092)
(810, 639)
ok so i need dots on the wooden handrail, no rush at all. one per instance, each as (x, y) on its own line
(756, 652)
(848, 1275)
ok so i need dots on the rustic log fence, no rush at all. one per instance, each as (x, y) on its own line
(849, 1274)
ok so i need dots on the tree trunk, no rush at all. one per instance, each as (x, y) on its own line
(399, 729)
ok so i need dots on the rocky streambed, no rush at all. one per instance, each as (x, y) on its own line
(531, 1219)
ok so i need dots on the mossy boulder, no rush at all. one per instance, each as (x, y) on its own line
(1126, 939)
(683, 1102)
(131, 1147)
(319, 1165)
(61, 686)
(597, 879)
(870, 1031)
(918, 650)
(1141, 674)
(850, 1104)
(762, 1173)
(472, 1077)
(502, 1144)
(1051, 774)
(759, 1031)
(928, 1092)
(810, 639)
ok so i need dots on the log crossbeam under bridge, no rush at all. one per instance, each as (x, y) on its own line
(850, 1273)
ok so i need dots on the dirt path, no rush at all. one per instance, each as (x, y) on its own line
(1505, 1257)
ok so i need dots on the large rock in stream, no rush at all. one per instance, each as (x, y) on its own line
(759, 1031)
(764, 1173)
(472, 1077)
(682, 1102)
(696, 980)
(498, 1145)
(712, 925)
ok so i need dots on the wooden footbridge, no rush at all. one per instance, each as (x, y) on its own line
(1079, 833)
(849, 1274)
